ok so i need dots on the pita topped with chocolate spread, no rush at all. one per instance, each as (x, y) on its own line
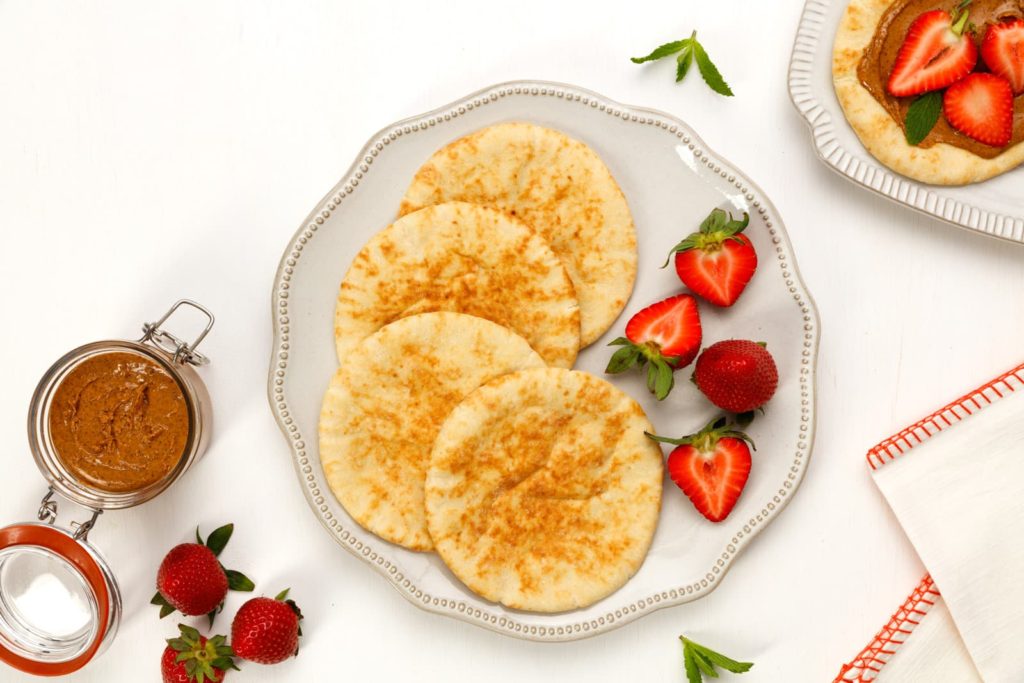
(934, 88)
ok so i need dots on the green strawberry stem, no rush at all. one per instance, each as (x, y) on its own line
(706, 439)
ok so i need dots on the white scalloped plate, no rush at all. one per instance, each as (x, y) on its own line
(992, 207)
(671, 180)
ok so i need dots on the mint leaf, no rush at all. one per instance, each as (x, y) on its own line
(689, 51)
(684, 61)
(922, 116)
(660, 51)
(700, 661)
(690, 664)
(708, 70)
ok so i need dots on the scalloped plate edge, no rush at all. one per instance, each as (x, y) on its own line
(278, 363)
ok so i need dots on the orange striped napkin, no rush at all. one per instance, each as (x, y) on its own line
(955, 481)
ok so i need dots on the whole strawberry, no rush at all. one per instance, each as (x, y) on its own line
(266, 630)
(736, 375)
(191, 658)
(192, 580)
(717, 261)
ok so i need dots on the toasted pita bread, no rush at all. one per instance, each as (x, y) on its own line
(464, 258)
(940, 164)
(386, 403)
(543, 493)
(560, 188)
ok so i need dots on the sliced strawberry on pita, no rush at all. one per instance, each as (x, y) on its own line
(716, 262)
(935, 54)
(981, 107)
(711, 467)
(665, 337)
(1003, 52)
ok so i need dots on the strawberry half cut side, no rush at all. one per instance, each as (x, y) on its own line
(711, 467)
(1003, 51)
(717, 261)
(665, 336)
(935, 54)
(981, 107)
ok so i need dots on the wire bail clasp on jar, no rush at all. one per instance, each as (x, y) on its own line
(48, 514)
(182, 351)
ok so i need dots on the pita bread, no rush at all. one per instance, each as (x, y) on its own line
(388, 399)
(543, 493)
(940, 164)
(560, 188)
(464, 258)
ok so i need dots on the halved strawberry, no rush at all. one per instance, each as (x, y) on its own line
(717, 262)
(665, 336)
(1003, 51)
(711, 467)
(935, 54)
(981, 107)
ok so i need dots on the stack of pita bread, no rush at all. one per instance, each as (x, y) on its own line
(454, 422)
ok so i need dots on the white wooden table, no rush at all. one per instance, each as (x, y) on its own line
(149, 153)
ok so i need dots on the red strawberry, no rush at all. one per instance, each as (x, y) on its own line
(266, 631)
(665, 336)
(935, 54)
(191, 658)
(981, 107)
(736, 375)
(1003, 52)
(717, 262)
(192, 580)
(711, 467)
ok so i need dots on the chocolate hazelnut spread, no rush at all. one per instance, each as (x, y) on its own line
(876, 65)
(119, 422)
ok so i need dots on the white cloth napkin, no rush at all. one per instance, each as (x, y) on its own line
(956, 484)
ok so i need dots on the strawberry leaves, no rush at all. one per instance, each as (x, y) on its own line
(922, 115)
(660, 369)
(700, 661)
(689, 50)
(715, 229)
(706, 438)
(203, 659)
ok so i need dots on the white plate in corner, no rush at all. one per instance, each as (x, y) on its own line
(671, 180)
(992, 207)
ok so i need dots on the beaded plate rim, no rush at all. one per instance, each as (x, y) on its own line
(811, 44)
(314, 491)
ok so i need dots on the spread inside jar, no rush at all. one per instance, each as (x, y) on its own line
(877, 63)
(119, 422)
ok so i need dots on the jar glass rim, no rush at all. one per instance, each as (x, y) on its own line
(49, 542)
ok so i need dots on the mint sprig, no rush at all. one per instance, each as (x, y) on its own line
(700, 661)
(922, 115)
(690, 50)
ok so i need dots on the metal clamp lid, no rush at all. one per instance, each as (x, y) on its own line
(48, 514)
(182, 351)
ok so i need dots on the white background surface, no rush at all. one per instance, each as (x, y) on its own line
(150, 153)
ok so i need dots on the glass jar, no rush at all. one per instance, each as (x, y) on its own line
(59, 601)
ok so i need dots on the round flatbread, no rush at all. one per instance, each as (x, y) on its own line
(464, 258)
(560, 188)
(940, 164)
(543, 493)
(386, 403)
